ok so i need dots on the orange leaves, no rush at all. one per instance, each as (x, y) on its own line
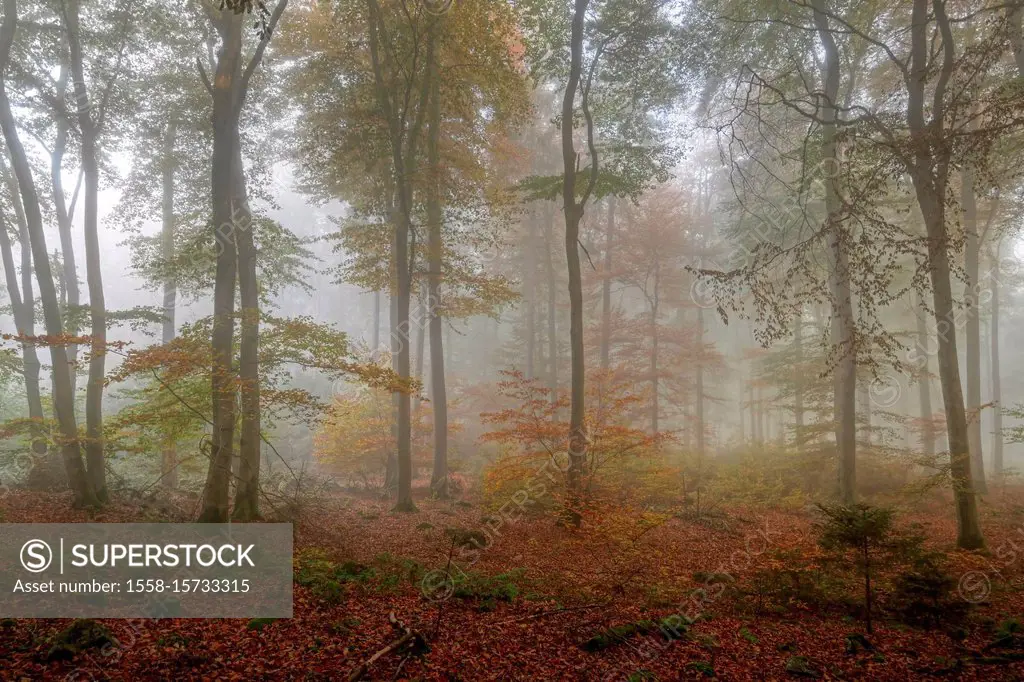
(46, 340)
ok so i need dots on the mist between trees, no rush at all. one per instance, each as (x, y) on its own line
(684, 256)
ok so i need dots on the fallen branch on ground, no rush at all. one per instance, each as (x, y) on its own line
(408, 638)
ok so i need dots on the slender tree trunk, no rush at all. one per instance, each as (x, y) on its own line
(606, 287)
(972, 330)
(864, 398)
(798, 379)
(549, 267)
(404, 139)
(969, 529)
(924, 387)
(170, 453)
(845, 373)
(216, 494)
(64, 218)
(435, 218)
(22, 310)
(699, 392)
(929, 172)
(63, 398)
(997, 389)
(391, 466)
(573, 212)
(530, 294)
(88, 127)
(655, 407)
(249, 455)
(422, 323)
(376, 322)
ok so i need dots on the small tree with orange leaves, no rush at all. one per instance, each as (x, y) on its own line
(622, 462)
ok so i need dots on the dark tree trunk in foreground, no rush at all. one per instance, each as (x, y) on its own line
(63, 397)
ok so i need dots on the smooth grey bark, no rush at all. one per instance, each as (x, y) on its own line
(972, 328)
(228, 72)
(798, 388)
(924, 386)
(606, 287)
(434, 307)
(64, 219)
(572, 210)
(929, 171)
(549, 269)
(63, 398)
(233, 227)
(376, 322)
(404, 137)
(530, 293)
(421, 327)
(699, 392)
(845, 372)
(247, 494)
(997, 388)
(22, 309)
(169, 465)
(89, 145)
(655, 303)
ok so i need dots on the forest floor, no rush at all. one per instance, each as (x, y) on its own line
(534, 601)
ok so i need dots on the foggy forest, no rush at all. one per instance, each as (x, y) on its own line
(574, 339)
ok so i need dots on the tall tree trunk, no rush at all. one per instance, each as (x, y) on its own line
(421, 341)
(972, 329)
(699, 392)
(798, 379)
(530, 293)
(573, 211)
(216, 493)
(404, 139)
(63, 398)
(22, 309)
(606, 287)
(247, 494)
(376, 323)
(169, 465)
(845, 372)
(929, 172)
(997, 389)
(549, 268)
(435, 217)
(64, 226)
(236, 258)
(864, 398)
(89, 129)
(655, 407)
(924, 387)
